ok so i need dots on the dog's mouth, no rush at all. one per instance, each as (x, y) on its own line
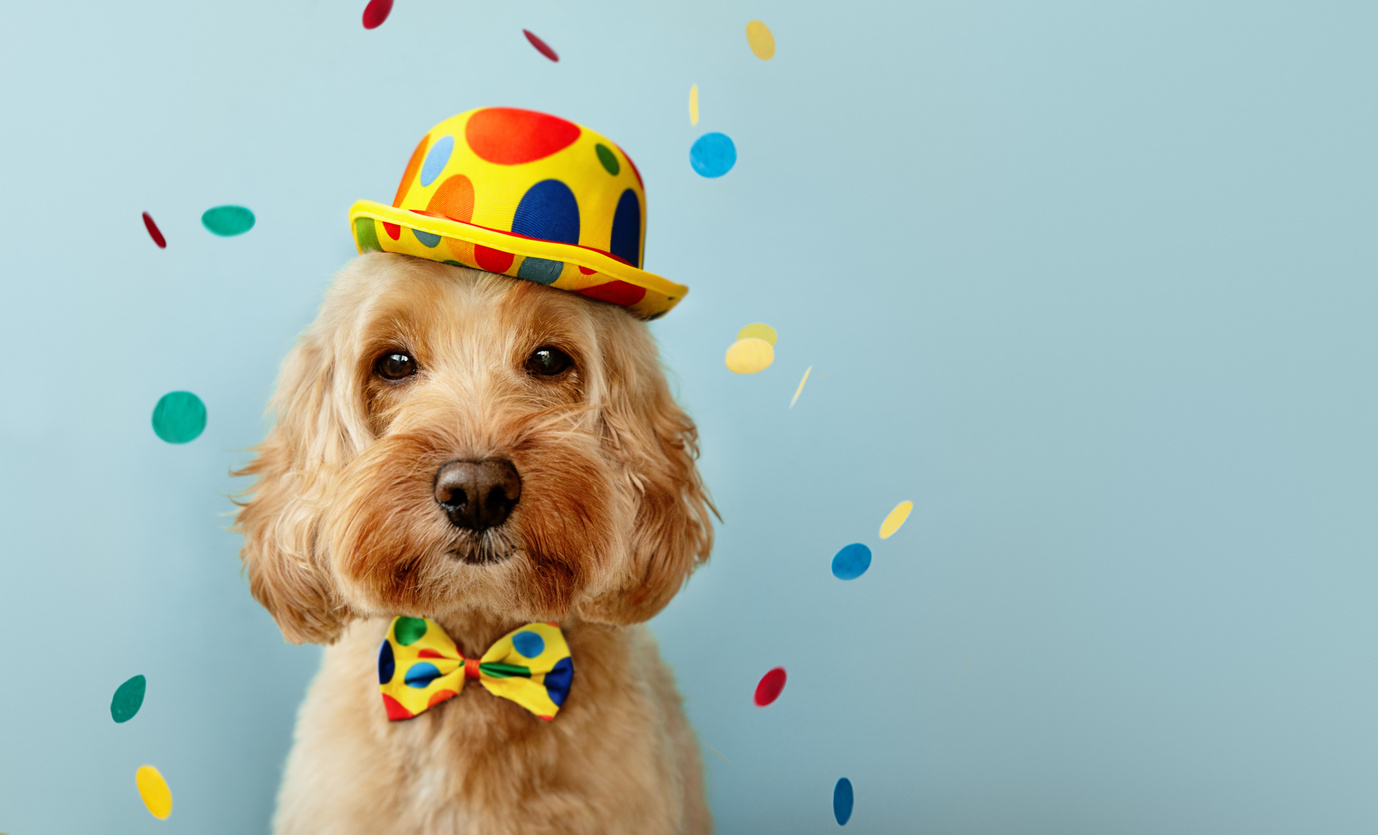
(488, 548)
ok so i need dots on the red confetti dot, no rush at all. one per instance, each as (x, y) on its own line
(541, 46)
(376, 12)
(771, 684)
(153, 232)
(511, 136)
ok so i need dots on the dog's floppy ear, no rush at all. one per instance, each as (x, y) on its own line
(312, 433)
(656, 443)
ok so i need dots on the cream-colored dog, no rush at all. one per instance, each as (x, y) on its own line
(486, 452)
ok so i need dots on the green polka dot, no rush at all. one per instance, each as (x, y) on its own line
(608, 158)
(408, 631)
(180, 416)
(366, 234)
(227, 221)
(129, 697)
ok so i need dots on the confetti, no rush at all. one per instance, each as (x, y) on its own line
(376, 12)
(713, 154)
(154, 791)
(759, 331)
(842, 801)
(541, 46)
(228, 221)
(851, 562)
(154, 232)
(694, 104)
(128, 698)
(768, 690)
(761, 41)
(179, 417)
(719, 753)
(749, 356)
(895, 519)
(800, 390)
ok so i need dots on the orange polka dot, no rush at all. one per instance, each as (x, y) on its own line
(454, 199)
(440, 696)
(412, 165)
(509, 136)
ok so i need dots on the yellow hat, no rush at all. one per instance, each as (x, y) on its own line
(528, 195)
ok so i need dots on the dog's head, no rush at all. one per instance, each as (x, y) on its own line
(448, 440)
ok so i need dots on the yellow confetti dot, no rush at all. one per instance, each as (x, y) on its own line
(759, 331)
(761, 41)
(154, 791)
(750, 355)
(895, 519)
(694, 104)
(800, 390)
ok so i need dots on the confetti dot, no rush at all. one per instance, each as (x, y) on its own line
(842, 801)
(128, 698)
(713, 154)
(760, 39)
(768, 689)
(228, 221)
(895, 519)
(748, 356)
(154, 232)
(851, 562)
(541, 46)
(693, 104)
(154, 791)
(800, 390)
(758, 331)
(376, 12)
(179, 417)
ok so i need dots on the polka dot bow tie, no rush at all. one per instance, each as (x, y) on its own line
(419, 667)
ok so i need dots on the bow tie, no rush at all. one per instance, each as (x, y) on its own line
(419, 667)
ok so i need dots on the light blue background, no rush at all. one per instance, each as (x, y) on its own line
(1093, 283)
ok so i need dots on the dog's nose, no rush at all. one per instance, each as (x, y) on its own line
(478, 495)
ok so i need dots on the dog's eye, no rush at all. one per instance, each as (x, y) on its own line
(548, 361)
(394, 365)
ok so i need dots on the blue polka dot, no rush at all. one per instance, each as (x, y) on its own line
(626, 229)
(386, 664)
(436, 159)
(557, 681)
(842, 801)
(426, 237)
(713, 154)
(529, 644)
(851, 562)
(421, 674)
(540, 270)
(548, 212)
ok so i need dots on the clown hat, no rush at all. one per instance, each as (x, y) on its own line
(527, 195)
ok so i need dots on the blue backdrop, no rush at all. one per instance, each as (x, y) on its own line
(1092, 283)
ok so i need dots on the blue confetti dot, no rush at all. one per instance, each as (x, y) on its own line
(713, 154)
(421, 674)
(386, 664)
(529, 644)
(851, 562)
(842, 801)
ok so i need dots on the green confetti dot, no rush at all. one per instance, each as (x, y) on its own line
(228, 221)
(608, 158)
(129, 697)
(180, 416)
(408, 631)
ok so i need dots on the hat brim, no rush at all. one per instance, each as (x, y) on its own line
(578, 269)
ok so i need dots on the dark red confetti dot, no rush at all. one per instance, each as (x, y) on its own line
(376, 12)
(153, 232)
(771, 684)
(541, 46)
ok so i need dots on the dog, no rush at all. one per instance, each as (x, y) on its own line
(421, 380)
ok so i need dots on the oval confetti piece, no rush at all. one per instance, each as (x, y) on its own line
(228, 221)
(759, 331)
(842, 801)
(748, 356)
(760, 39)
(851, 562)
(179, 417)
(128, 698)
(713, 154)
(800, 390)
(376, 12)
(770, 686)
(541, 46)
(694, 104)
(154, 791)
(895, 519)
(154, 232)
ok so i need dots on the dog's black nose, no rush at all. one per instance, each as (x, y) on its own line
(478, 495)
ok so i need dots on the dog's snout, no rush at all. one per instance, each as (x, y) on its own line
(477, 495)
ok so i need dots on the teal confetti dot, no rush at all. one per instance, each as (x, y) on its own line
(713, 154)
(851, 562)
(129, 697)
(180, 416)
(228, 221)
(843, 800)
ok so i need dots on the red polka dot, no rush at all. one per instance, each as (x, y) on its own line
(634, 169)
(587, 271)
(508, 136)
(412, 165)
(770, 686)
(440, 697)
(492, 260)
(616, 292)
(394, 231)
(396, 712)
(454, 199)
(429, 653)
(547, 718)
